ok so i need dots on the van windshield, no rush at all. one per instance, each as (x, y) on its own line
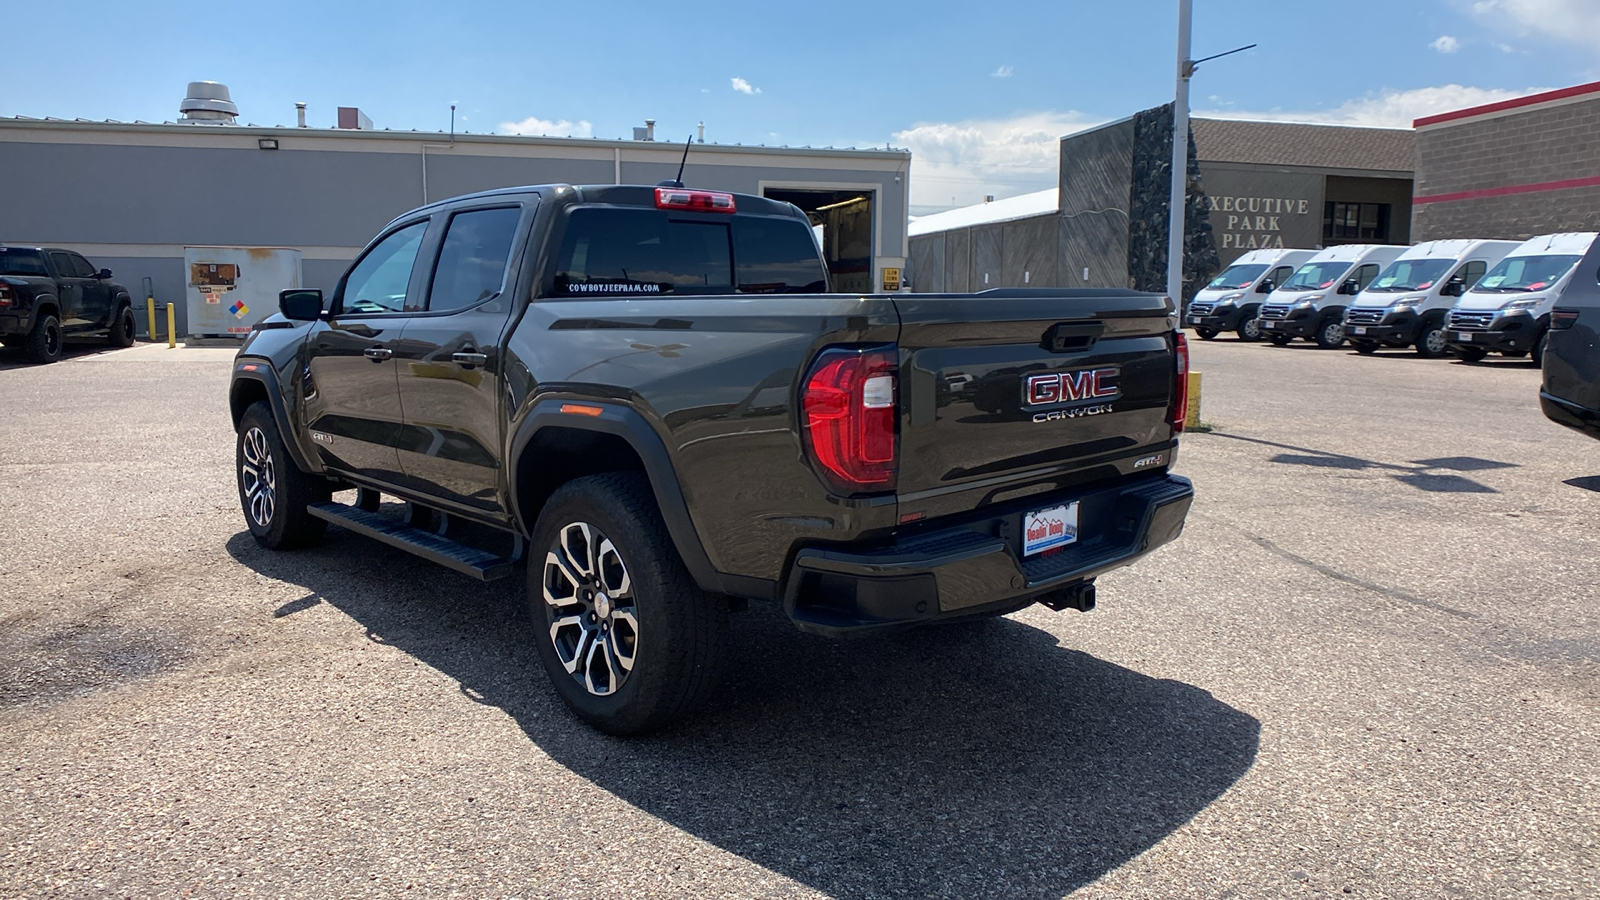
(1411, 275)
(1314, 276)
(1525, 273)
(1235, 277)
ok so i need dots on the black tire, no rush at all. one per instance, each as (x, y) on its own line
(1468, 354)
(123, 327)
(1537, 357)
(1365, 348)
(1330, 335)
(44, 341)
(273, 491)
(1430, 342)
(1280, 340)
(1206, 334)
(1249, 329)
(679, 632)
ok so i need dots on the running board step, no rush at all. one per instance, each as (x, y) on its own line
(480, 564)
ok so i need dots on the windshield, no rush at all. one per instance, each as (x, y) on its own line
(1235, 277)
(21, 262)
(1411, 275)
(1525, 273)
(1315, 276)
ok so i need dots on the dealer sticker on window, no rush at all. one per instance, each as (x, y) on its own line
(1047, 529)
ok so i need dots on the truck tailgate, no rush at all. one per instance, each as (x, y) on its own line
(1012, 392)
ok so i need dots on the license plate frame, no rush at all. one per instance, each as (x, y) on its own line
(1049, 528)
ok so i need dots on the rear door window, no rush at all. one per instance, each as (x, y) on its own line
(634, 252)
(472, 259)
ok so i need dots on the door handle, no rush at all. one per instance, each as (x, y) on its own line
(468, 360)
(378, 354)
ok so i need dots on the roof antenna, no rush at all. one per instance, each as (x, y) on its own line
(678, 182)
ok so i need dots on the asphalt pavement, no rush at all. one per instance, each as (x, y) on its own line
(1370, 667)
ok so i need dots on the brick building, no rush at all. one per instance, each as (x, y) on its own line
(1512, 170)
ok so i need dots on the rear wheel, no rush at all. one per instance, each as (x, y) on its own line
(1469, 354)
(1365, 348)
(123, 327)
(1280, 340)
(1206, 334)
(273, 491)
(1330, 335)
(44, 342)
(629, 641)
(1430, 339)
(1249, 327)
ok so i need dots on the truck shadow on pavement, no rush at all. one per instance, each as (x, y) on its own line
(1422, 474)
(969, 760)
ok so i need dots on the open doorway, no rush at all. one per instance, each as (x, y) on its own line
(843, 222)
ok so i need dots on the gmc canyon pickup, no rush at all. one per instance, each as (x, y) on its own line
(48, 294)
(648, 396)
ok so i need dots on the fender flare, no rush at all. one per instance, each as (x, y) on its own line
(626, 422)
(267, 378)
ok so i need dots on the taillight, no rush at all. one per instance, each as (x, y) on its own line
(847, 412)
(1180, 390)
(699, 201)
(1563, 318)
(6, 297)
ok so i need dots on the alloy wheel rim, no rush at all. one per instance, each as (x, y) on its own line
(52, 338)
(258, 478)
(589, 606)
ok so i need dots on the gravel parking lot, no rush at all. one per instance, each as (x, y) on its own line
(1371, 667)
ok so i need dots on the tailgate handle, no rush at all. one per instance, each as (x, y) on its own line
(1066, 337)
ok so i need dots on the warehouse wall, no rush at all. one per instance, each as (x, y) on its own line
(1019, 253)
(1095, 178)
(1539, 145)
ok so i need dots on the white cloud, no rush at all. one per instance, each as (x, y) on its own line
(744, 87)
(1569, 20)
(1390, 108)
(1446, 44)
(553, 128)
(1002, 72)
(957, 163)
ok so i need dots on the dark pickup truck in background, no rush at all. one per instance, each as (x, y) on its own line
(48, 294)
(648, 396)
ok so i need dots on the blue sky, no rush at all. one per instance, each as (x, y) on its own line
(978, 92)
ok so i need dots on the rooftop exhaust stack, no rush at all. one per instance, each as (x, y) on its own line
(300, 114)
(702, 134)
(207, 103)
(354, 119)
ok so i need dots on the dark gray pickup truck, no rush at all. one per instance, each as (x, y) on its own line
(648, 396)
(48, 294)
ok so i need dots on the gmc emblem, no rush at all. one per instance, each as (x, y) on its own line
(1068, 387)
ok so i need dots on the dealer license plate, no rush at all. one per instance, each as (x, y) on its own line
(1268, 326)
(1464, 336)
(1047, 529)
(1358, 330)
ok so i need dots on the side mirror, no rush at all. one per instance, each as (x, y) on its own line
(103, 274)
(1455, 287)
(301, 304)
(1266, 286)
(1351, 286)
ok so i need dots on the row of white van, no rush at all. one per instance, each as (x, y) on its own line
(1462, 297)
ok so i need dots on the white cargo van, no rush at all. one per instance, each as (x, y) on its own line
(1409, 301)
(1233, 299)
(1311, 303)
(1509, 308)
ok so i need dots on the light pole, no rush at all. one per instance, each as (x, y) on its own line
(1180, 158)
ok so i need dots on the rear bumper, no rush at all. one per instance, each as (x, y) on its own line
(978, 567)
(16, 323)
(1565, 412)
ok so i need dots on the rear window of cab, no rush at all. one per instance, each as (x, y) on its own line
(622, 252)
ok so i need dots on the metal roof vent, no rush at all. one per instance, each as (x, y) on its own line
(208, 103)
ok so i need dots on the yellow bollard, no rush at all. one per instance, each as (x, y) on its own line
(150, 310)
(1191, 417)
(172, 326)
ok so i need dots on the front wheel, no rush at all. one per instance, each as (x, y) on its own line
(123, 328)
(629, 641)
(1249, 328)
(1430, 340)
(1331, 335)
(1206, 334)
(273, 491)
